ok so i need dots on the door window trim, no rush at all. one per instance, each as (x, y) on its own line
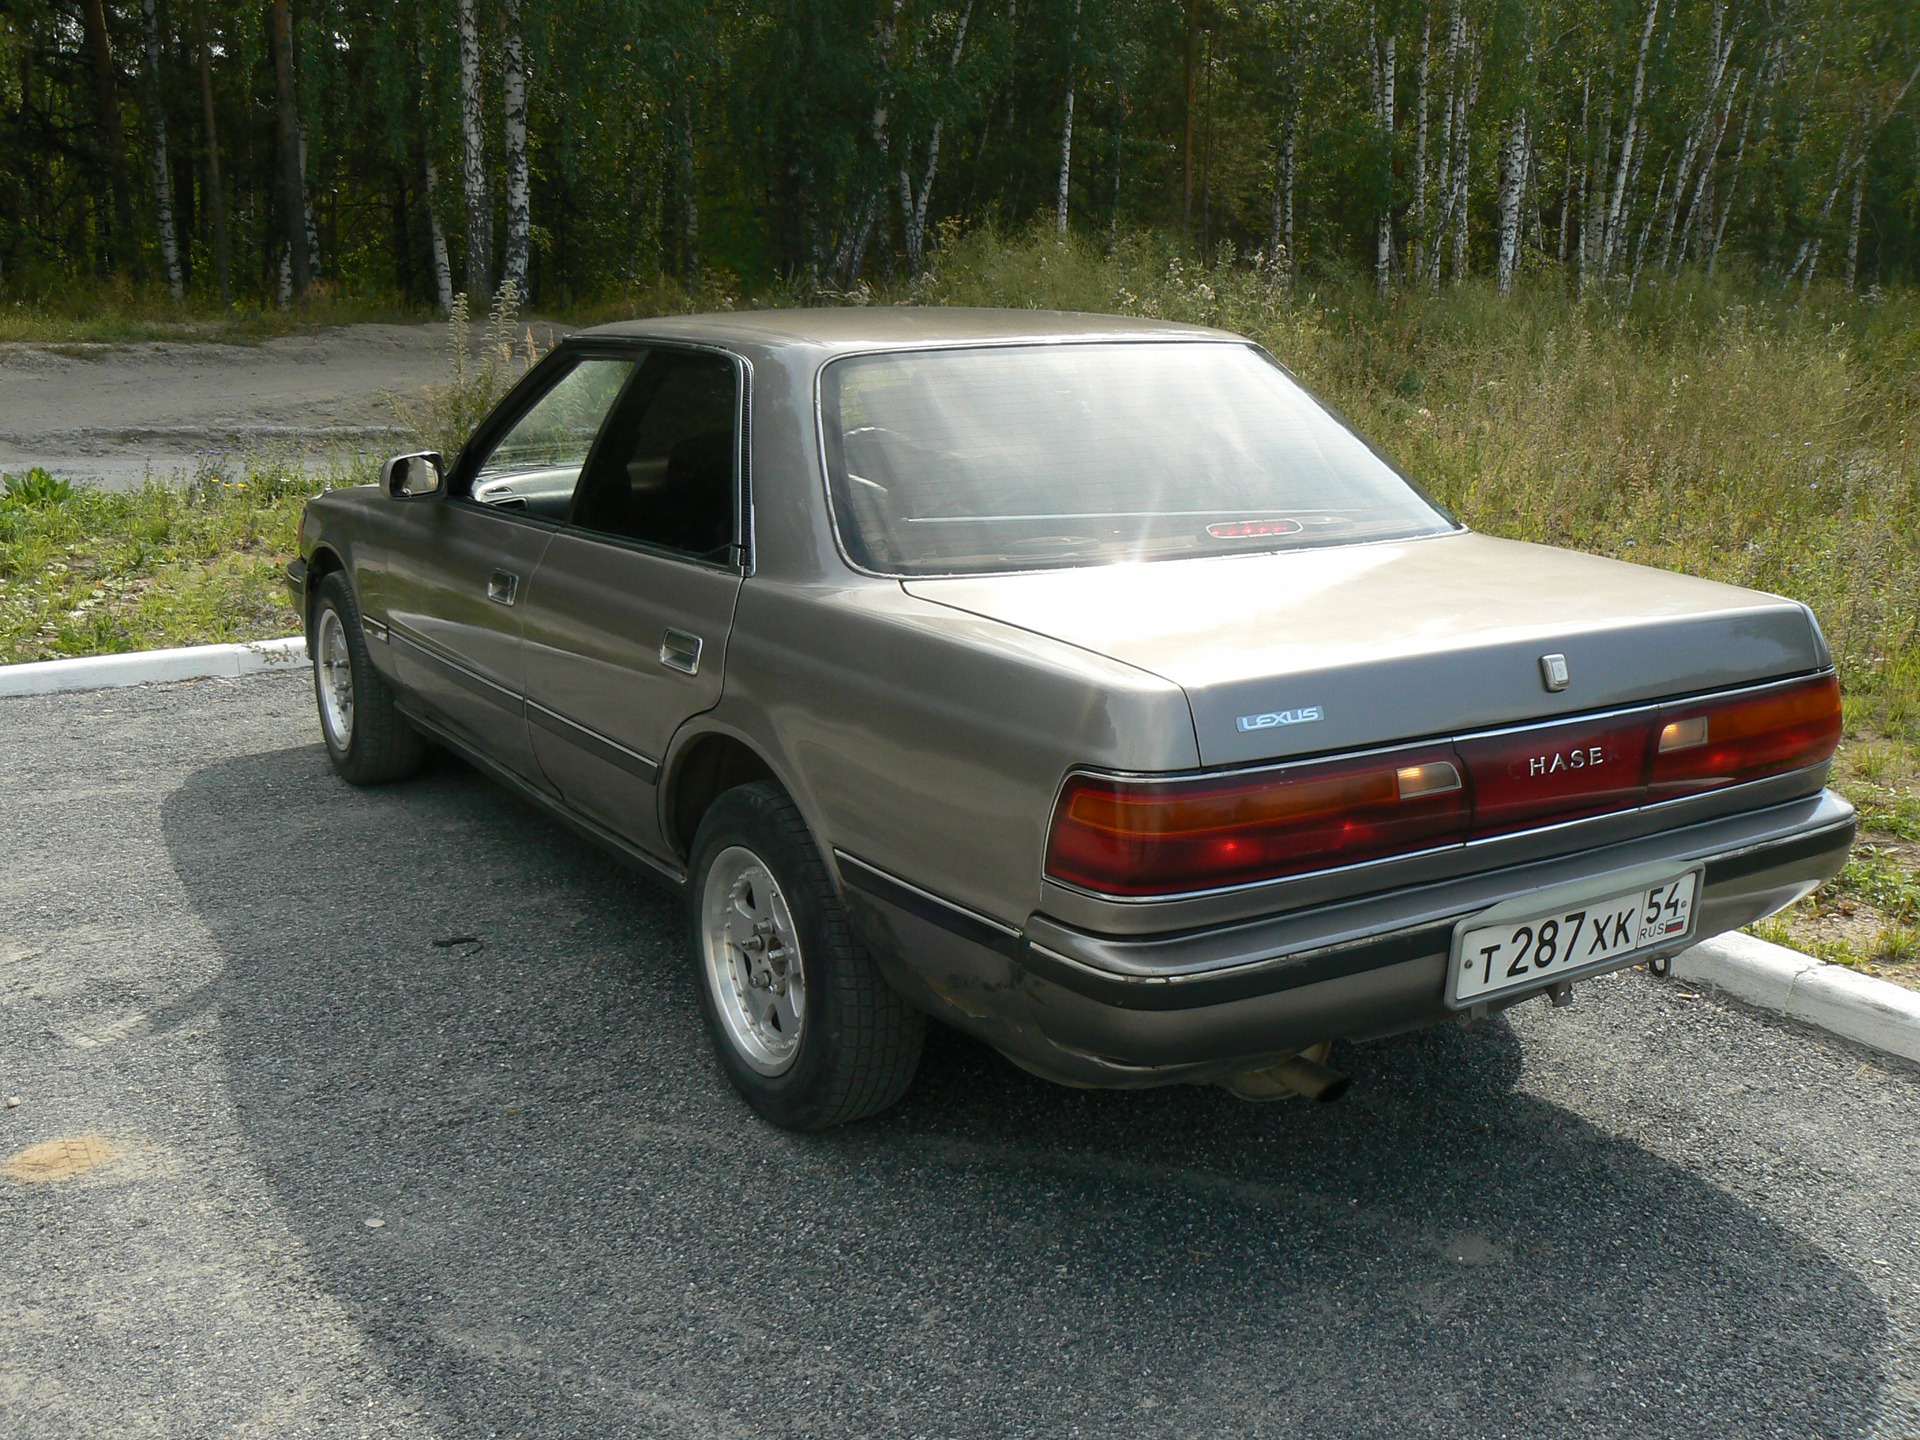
(533, 387)
(743, 537)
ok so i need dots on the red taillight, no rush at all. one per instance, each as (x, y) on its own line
(1709, 744)
(1148, 837)
(1165, 837)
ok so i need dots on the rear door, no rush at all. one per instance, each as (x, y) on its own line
(459, 565)
(628, 617)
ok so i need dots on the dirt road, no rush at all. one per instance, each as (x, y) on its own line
(115, 414)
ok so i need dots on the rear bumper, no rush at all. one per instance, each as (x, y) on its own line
(1144, 1010)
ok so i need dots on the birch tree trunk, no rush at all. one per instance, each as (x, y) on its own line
(1281, 242)
(1450, 110)
(913, 208)
(1418, 228)
(1513, 186)
(437, 239)
(1066, 129)
(1610, 242)
(1733, 183)
(210, 141)
(1853, 228)
(157, 145)
(1463, 159)
(306, 209)
(473, 149)
(1718, 52)
(293, 188)
(1383, 114)
(513, 93)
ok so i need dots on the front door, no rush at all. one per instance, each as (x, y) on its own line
(459, 567)
(628, 616)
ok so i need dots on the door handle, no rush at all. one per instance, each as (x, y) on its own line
(502, 587)
(680, 651)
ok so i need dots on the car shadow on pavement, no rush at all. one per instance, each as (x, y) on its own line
(444, 1013)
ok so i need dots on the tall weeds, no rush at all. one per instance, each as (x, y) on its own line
(1710, 428)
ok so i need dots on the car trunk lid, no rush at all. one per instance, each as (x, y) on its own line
(1314, 651)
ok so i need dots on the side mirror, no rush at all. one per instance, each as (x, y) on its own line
(412, 477)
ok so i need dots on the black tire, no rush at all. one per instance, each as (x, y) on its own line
(378, 745)
(858, 1042)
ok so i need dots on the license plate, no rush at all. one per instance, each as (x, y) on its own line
(1526, 944)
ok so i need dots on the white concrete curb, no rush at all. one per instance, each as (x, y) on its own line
(1828, 997)
(145, 667)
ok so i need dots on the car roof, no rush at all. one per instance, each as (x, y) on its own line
(844, 329)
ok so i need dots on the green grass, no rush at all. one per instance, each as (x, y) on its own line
(1715, 427)
(81, 313)
(100, 571)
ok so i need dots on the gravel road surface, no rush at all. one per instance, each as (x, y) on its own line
(387, 1113)
(115, 414)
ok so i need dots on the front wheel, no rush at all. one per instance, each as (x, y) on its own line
(802, 1023)
(368, 739)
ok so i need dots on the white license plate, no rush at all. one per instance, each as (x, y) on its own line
(1501, 951)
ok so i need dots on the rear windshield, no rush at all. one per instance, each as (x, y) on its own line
(957, 462)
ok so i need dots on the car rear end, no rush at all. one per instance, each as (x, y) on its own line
(1438, 772)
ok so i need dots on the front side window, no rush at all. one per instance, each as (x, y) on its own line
(1028, 457)
(663, 473)
(535, 466)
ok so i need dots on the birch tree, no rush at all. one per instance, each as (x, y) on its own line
(473, 149)
(1066, 128)
(513, 91)
(157, 153)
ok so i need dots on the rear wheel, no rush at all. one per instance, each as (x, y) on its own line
(802, 1023)
(368, 739)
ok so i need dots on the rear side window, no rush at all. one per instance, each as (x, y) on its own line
(663, 470)
(1029, 457)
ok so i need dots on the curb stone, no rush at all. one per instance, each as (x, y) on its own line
(147, 667)
(1771, 977)
(1832, 998)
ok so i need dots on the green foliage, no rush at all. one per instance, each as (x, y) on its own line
(440, 417)
(103, 571)
(36, 487)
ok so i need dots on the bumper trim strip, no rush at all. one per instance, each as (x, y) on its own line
(1311, 967)
(925, 905)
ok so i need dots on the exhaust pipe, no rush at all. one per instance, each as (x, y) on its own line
(1302, 1075)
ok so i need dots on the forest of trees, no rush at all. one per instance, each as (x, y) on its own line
(418, 148)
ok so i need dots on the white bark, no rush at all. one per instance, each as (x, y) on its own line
(1610, 236)
(513, 91)
(1702, 201)
(1419, 227)
(1733, 183)
(913, 208)
(1513, 187)
(157, 143)
(442, 271)
(306, 207)
(473, 150)
(1463, 158)
(1383, 113)
(1281, 242)
(1853, 228)
(1719, 49)
(1449, 114)
(1066, 128)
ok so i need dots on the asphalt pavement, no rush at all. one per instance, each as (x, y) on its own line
(387, 1112)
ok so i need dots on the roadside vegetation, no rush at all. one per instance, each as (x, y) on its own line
(1715, 426)
(81, 312)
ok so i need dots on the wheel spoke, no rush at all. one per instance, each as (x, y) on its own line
(752, 959)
